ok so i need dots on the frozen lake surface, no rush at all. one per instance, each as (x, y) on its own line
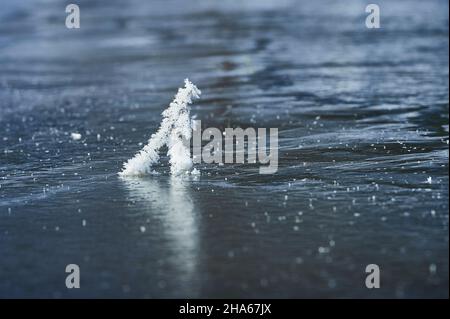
(363, 160)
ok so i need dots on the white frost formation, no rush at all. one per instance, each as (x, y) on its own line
(174, 129)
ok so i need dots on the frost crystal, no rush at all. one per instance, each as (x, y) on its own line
(174, 130)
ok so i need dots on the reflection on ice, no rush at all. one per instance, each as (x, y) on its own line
(167, 202)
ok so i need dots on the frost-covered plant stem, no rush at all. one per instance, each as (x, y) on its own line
(174, 130)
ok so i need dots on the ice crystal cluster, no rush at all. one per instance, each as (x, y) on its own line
(175, 129)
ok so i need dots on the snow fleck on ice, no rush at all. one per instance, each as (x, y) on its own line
(432, 268)
(75, 136)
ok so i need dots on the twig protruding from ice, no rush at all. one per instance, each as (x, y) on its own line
(174, 130)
